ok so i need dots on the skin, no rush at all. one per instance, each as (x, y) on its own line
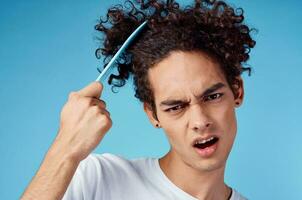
(184, 76)
(83, 124)
(85, 120)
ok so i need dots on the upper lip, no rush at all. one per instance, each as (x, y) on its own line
(203, 138)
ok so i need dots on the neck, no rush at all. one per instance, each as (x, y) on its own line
(203, 185)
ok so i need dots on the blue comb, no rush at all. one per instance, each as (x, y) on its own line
(106, 71)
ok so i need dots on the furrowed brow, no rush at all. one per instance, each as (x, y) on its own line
(212, 89)
(174, 102)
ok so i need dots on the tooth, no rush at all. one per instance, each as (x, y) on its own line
(204, 140)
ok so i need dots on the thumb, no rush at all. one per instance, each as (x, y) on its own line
(94, 89)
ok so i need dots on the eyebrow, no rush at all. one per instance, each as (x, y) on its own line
(173, 102)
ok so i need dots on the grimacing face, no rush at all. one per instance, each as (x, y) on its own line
(194, 102)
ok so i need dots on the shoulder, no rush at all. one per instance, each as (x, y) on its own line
(105, 160)
(102, 172)
(98, 160)
(110, 166)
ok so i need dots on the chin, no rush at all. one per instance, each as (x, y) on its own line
(206, 165)
(210, 165)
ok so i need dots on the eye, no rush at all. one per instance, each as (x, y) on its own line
(175, 108)
(213, 97)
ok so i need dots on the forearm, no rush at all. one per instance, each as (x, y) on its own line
(84, 122)
(52, 179)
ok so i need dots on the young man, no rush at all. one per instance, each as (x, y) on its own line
(186, 67)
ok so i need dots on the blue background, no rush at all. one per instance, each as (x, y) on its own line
(47, 50)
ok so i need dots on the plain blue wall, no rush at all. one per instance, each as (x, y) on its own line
(47, 50)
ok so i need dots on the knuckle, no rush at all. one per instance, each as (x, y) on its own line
(106, 112)
(109, 122)
(103, 103)
(101, 119)
(104, 119)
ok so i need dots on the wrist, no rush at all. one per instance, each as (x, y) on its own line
(61, 151)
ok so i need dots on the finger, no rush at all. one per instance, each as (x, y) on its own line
(105, 112)
(94, 89)
(100, 104)
(97, 102)
(98, 110)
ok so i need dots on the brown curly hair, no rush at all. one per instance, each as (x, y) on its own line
(212, 27)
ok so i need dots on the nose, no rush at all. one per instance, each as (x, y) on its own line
(199, 118)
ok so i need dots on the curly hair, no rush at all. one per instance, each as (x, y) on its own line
(208, 26)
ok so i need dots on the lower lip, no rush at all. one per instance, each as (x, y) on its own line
(207, 152)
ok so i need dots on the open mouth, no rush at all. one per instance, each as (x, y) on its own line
(204, 143)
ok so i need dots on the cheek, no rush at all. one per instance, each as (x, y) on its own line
(227, 119)
(174, 129)
(172, 124)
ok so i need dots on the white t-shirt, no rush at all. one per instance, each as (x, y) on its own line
(110, 177)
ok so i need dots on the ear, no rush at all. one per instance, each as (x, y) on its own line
(148, 110)
(239, 92)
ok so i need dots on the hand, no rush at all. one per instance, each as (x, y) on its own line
(84, 122)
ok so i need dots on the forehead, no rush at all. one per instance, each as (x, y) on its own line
(183, 73)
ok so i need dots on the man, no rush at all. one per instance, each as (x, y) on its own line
(186, 67)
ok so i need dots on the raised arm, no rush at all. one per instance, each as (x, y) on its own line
(84, 122)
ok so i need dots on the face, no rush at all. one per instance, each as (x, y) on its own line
(196, 109)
